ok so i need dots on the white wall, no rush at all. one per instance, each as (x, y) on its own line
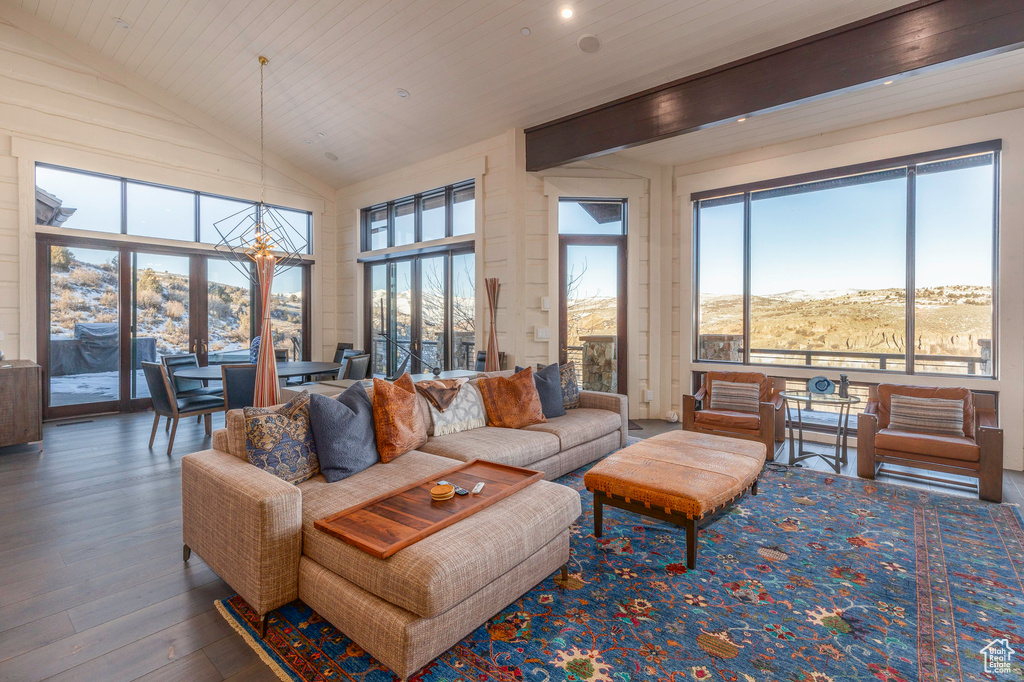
(61, 105)
(878, 142)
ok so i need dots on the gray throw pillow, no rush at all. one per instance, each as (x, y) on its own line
(343, 432)
(549, 387)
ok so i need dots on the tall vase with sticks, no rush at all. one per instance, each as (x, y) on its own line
(492, 286)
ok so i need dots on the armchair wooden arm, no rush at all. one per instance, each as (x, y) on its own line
(867, 427)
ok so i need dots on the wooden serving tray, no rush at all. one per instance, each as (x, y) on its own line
(393, 521)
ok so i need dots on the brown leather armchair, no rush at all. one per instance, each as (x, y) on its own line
(767, 425)
(978, 453)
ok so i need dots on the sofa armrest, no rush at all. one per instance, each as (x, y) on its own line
(245, 523)
(609, 401)
(220, 440)
(701, 393)
(871, 408)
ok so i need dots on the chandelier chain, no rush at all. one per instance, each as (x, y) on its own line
(263, 171)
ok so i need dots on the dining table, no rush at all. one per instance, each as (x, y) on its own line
(285, 370)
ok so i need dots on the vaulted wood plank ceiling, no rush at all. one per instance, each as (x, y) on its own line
(336, 64)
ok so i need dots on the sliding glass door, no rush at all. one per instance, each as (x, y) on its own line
(160, 322)
(106, 307)
(83, 328)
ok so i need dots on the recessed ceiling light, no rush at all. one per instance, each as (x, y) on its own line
(566, 12)
(121, 23)
(525, 31)
(887, 83)
(320, 135)
(741, 120)
(308, 141)
(402, 93)
(330, 156)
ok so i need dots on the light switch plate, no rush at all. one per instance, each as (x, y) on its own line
(1, 336)
(542, 333)
(545, 303)
(648, 395)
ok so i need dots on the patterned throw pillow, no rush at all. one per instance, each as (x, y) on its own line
(735, 396)
(926, 415)
(280, 440)
(397, 417)
(512, 403)
(465, 412)
(570, 389)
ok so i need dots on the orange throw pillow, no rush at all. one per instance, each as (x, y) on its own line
(512, 402)
(397, 417)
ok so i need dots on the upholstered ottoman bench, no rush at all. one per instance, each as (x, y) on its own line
(681, 477)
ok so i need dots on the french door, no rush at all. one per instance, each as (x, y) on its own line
(104, 307)
(420, 313)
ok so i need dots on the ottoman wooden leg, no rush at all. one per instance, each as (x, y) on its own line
(598, 515)
(753, 488)
(691, 544)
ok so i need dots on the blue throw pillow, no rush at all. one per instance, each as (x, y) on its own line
(343, 432)
(549, 387)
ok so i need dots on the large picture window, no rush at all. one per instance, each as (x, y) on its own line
(886, 266)
(443, 212)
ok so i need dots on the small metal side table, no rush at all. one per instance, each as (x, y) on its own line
(797, 453)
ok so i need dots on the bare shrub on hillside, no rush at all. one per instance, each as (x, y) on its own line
(175, 310)
(149, 299)
(86, 277)
(109, 298)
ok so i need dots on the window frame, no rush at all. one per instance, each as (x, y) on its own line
(907, 162)
(196, 216)
(365, 243)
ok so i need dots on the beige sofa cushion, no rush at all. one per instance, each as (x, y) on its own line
(579, 426)
(440, 571)
(515, 447)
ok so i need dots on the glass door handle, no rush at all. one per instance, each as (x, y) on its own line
(194, 345)
(206, 349)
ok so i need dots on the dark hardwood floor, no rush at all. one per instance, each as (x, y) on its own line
(92, 586)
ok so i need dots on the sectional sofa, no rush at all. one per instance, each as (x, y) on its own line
(256, 532)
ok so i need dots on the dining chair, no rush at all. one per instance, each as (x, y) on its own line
(357, 367)
(239, 385)
(165, 404)
(343, 354)
(185, 388)
(281, 354)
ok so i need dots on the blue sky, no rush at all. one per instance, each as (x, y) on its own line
(600, 278)
(854, 237)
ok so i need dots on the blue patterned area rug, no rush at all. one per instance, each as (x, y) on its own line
(817, 578)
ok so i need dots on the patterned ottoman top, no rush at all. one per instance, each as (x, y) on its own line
(680, 471)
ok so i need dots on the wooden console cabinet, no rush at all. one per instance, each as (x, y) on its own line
(21, 402)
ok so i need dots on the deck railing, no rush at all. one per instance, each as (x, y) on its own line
(882, 361)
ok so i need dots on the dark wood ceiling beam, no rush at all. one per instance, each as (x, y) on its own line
(909, 39)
